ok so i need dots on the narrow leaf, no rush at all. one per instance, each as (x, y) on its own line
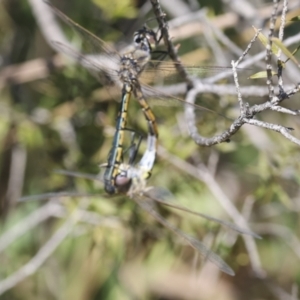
(262, 74)
(286, 52)
(264, 40)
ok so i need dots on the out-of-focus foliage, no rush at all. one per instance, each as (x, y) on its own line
(66, 120)
(117, 9)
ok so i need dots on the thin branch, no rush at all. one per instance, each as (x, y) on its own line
(247, 113)
(160, 16)
(269, 50)
(283, 20)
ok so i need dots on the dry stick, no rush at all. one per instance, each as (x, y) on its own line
(234, 127)
(16, 174)
(235, 76)
(280, 36)
(269, 50)
(238, 90)
(160, 16)
(278, 128)
(283, 20)
(246, 113)
(252, 60)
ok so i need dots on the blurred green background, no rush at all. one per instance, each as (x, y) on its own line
(64, 119)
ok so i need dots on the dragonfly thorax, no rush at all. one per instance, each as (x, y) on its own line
(129, 69)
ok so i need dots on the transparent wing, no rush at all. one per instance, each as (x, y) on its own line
(144, 203)
(163, 196)
(156, 97)
(92, 42)
(46, 196)
(79, 175)
(94, 63)
(166, 70)
(108, 59)
(159, 195)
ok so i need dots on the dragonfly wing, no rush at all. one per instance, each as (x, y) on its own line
(159, 195)
(154, 96)
(94, 63)
(166, 72)
(79, 175)
(47, 196)
(145, 204)
(96, 44)
(211, 256)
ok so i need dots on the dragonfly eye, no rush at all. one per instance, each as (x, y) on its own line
(145, 39)
(137, 40)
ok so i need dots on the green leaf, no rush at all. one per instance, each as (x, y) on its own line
(264, 40)
(262, 74)
(295, 19)
(284, 50)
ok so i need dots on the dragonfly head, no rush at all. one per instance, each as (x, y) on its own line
(145, 39)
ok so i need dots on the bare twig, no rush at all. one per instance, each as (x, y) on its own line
(160, 16)
(247, 113)
(16, 174)
(188, 26)
(269, 50)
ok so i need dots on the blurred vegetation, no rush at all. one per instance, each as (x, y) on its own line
(60, 122)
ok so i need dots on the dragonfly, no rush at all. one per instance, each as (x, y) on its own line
(125, 68)
(131, 64)
(132, 181)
